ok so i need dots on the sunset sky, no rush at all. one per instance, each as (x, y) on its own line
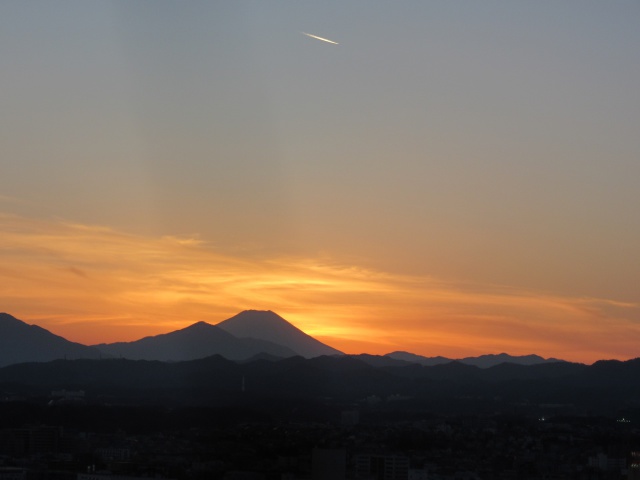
(451, 178)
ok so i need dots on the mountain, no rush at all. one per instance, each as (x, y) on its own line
(381, 360)
(196, 341)
(604, 387)
(20, 342)
(483, 361)
(268, 326)
(486, 361)
(248, 335)
(413, 358)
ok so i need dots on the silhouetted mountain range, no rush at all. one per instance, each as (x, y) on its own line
(602, 386)
(251, 334)
(483, 361)
(196, 341)
(20, 342)
(246, 335)
(260, 354)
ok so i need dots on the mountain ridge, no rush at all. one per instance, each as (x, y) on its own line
(610, 385)
(249, 334)
(482, 361)
(195, 341)
(21, 342)
(267, 325)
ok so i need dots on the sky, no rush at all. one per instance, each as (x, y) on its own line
(449, 178)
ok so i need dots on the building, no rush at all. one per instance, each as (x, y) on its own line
(328, 464)
(381, 467)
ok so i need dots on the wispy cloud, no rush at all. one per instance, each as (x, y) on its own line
(94, 283)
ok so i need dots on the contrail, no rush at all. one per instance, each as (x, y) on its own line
(320, 38)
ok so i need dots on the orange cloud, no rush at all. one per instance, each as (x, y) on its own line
(93, 284)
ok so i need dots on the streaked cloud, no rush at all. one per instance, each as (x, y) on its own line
(93, 283)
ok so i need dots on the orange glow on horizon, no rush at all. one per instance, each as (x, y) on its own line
(93, 284)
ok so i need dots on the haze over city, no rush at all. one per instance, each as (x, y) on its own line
(445, 178)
